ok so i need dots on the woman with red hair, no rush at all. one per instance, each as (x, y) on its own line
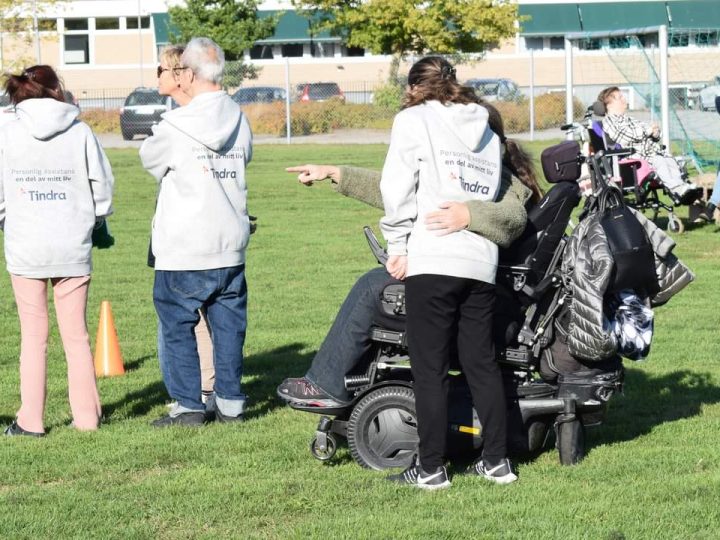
(55, 185)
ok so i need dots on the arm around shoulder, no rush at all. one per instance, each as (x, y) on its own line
(502, 221)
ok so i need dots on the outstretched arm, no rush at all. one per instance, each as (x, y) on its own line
(500, 222)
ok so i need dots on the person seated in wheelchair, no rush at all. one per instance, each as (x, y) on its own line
(345, 348)
(628, 132)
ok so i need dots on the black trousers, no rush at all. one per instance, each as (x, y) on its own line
(442, 312)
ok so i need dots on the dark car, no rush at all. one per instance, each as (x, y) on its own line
(321, 91)
(495, 89)
(141, 111)
(258, 94)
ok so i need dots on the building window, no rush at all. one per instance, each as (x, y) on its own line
(534, 43)
(706, 39)
(76, 49)
(76, 24)
(322, 50)
(679, 40)
(107, 23)
(589, 44)
(291, 50)
(353, 51)
(261, 52)
(132, 23)
(557, 43)
(620, 42)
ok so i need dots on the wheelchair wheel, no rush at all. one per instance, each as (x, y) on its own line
(382, 429)
(323, 454)
(675, 224)
(570, 441)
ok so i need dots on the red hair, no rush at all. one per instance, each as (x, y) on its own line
(34, 82)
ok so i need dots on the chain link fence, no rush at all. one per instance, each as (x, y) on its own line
(296, 103)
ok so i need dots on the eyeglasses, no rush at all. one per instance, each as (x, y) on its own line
(179, 68)
(160, 70)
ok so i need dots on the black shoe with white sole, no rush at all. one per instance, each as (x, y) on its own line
(417, 477)
(188, 419)
(500, 473)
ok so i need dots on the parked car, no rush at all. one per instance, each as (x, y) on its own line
(141, 111)
(495, 89)
(321, 91)
(258, 94)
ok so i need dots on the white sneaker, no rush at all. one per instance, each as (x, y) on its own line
(501, 473)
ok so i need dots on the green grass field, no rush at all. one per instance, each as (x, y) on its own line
(652, 471)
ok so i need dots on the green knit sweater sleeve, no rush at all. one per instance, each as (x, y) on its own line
(500, 222)
(360, 184)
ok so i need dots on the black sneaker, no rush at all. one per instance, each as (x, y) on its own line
(304, 392)
(220, 417)
(417, 477)
(14, 430)
(501, 473)
(190, 419)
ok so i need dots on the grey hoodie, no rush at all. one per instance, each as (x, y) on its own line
(440, 153)
(198, 153)
(55, 180)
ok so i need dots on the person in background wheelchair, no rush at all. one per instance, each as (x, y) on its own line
(628, 132)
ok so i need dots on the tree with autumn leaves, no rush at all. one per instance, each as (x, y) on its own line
(402, 27)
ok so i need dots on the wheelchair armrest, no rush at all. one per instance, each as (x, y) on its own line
(377, 250)
(539, 290)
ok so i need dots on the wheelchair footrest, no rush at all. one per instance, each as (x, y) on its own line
(520, 358)
(389, 336)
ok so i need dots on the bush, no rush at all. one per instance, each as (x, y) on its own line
(388, 96)
(315, 117)
(101, 120)
(549, 112)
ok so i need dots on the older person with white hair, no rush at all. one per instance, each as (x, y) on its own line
(198, 154)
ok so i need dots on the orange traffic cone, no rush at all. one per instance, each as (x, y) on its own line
(108, 358)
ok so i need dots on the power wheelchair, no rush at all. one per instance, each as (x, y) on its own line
(544, 386)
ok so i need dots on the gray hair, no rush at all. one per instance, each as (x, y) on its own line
(205, 58)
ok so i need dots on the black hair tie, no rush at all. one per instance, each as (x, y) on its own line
(447, 72)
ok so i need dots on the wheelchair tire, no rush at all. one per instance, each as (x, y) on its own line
(382, 429)
(570, 441)
(675, 224)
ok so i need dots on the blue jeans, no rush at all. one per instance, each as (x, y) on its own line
(715, 197)
(178, 295)
(348, 342)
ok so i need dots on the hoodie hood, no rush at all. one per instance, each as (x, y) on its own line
(211, 118)
(46, 117)
(468, 121)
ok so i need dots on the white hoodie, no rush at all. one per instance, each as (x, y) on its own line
(55, 180)
(440, 153)
(198, 153)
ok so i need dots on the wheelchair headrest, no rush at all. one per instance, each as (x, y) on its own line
(599, 109)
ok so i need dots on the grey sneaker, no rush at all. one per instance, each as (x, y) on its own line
(189, 419)
(416, 476)
(14, 430)
(304, 392)
(501, 473)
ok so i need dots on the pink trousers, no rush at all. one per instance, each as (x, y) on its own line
(70, 304)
